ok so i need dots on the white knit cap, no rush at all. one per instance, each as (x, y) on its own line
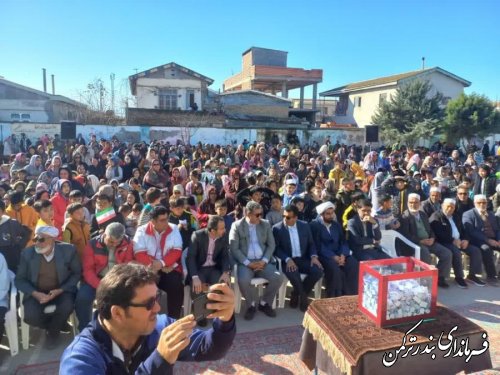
(48, 230)
(450, 201)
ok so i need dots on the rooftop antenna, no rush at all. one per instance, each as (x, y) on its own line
(136, 70)
(423, 63)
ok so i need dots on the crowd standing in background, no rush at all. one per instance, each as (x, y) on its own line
(195, 214)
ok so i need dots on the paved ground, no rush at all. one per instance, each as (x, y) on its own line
(455, 298)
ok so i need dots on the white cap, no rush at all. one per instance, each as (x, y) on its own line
(435, 189)
(320, 209)
(450, 201)
(48, 230)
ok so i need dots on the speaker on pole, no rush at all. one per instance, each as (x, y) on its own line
(68, 130)
(371, 133)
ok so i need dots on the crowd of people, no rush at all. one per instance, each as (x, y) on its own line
(195, 214)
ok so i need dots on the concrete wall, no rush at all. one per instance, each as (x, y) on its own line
(35, 108)
(147, 87)
(262, 56)
(222, 136)
(252, 104)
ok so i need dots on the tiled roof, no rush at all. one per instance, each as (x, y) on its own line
(388, 80)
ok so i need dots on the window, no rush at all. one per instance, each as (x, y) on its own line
(382, 98)
(168, 99)
(15, 116)
(357, 101)
(25, 117)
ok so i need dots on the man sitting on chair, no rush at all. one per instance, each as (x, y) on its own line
(208, 257)
(363, 234)
(251, 242)
(296, 249)
(47, 275)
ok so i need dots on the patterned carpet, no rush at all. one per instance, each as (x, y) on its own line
(275, 351)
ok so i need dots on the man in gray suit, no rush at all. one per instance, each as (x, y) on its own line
(47, 275)
(251, 243)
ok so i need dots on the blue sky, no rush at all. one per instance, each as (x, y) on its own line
(350, 40)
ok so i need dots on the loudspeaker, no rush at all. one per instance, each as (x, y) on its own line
(371, 133)
(68, 130)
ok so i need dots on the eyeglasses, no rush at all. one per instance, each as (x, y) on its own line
(39, 239)
(150, 303)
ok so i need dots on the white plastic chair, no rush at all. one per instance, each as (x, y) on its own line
(25, 328)
(388, 243)
(11, 321)
(282, 290)
(258, 282)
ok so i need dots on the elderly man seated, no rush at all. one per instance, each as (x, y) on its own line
(48, 275)
(482, 227)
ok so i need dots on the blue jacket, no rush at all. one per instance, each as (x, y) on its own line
(329, 243)
(91, 351)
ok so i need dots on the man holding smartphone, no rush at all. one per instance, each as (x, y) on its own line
(128, 336)
(208, 257)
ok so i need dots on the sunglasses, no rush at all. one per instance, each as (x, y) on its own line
(39, 239)
(150, 303)
(288, 217)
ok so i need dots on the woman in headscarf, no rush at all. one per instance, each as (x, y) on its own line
(413, 161)
(156, 176)
(376, 189)
(35, 168)
(66, 174)
(19, 163)
(176, 178)
(60, 201)
(94, 183)
(371, 163)
(128, 167)
(113, 170)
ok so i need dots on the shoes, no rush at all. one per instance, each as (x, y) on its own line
(442, 283)
(461, 283)
(304, 303)
(268, 310)
(475, 280)
(52, 341)
(250, 313)
(492, 281)
(294, 301)
(66, 328)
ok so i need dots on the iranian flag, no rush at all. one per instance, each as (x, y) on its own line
(105, 215)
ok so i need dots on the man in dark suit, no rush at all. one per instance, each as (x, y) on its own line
(296, 250)
(363, 234)
(208, 255)
(482, 227)
(340, 267)
(450, 233)
(252, 245)
(415, 226)
(433, 204)
(48, 275)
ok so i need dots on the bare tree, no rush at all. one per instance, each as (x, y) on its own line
(97, 98)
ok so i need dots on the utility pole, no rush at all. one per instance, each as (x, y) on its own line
(112, 77)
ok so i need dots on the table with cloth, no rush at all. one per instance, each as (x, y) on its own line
(339, 339)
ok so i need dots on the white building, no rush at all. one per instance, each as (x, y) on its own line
(170, 87)
(358, 102)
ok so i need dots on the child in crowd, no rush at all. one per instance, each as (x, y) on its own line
(384, 214)
(76, 230)
(76, 196)
(275, 214)
(130, 223)
(45, 212)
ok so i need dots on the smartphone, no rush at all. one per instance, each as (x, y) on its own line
(199, 304)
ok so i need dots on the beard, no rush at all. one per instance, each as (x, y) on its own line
(43, 250)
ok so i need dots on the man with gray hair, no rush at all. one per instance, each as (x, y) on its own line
(450, 233)
(100, 255)
(415, 226)
(482, 227)
(252, 245)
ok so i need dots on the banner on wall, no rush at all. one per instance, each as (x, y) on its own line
(35, 131)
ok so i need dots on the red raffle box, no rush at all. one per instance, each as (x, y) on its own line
(397, 290)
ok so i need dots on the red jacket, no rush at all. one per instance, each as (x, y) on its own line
(171, 257)
(95, 258)
(59, 203)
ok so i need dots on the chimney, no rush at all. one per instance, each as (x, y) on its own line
(44, 79)
(53, 85)
(423, 63)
